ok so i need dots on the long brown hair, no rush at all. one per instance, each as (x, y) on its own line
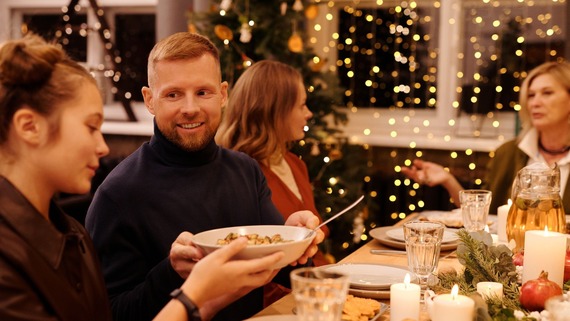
(255, 118)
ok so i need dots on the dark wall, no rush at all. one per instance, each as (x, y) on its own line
(385, 160)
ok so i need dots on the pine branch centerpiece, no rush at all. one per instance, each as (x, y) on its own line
(482, 262)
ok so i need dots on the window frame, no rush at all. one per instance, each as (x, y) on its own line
(382, 124)
(95, 50)
(407, 127)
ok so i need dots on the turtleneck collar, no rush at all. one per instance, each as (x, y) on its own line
(173, 154)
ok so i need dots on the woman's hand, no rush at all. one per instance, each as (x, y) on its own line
(432, 174)
(217, 280)
(426, 173)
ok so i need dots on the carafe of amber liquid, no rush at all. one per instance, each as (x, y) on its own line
(537, 203)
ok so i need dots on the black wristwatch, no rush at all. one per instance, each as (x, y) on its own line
(191, 308)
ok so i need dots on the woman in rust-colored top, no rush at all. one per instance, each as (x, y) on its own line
(266, 112)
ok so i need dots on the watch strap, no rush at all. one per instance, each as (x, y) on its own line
(191, 308)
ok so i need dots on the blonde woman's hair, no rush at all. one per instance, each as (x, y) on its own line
(560, 71)
(180, 46)
(255, 119)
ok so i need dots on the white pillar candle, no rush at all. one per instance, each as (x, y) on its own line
(453, 307)
(544, 251)
(490, 289)
(502, 213)
(404, 300)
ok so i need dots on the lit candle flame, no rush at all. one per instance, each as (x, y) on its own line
(407, 280)
(454, 292)
(546, 230)
(510, 202)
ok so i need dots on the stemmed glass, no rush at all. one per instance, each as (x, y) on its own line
(423, 244)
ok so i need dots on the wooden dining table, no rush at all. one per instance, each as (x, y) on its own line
(447, 260)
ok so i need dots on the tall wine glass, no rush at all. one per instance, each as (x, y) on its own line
(423, 244)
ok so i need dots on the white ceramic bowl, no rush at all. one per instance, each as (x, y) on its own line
(293, 250)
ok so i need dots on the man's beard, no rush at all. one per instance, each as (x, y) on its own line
(190, 143)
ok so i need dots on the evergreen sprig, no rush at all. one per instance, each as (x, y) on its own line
(484, 262)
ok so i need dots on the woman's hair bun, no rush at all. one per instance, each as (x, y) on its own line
(28, 61)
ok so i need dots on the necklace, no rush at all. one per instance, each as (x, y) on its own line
(553, 152)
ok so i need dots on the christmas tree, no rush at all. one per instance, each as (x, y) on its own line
(252, 30)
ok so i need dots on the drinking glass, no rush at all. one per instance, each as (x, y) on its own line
(423, 244)
(319, 294)
(475, 208)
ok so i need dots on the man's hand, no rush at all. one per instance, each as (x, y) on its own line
(184, 254)
(310, 221)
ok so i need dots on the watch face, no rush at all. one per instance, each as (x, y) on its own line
(175, 293)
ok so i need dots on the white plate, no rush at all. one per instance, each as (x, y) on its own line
(371, 294)
(449, 218)
(379, 234)
(454, 219)
(371, 276)
(449, 235)
(383, 307)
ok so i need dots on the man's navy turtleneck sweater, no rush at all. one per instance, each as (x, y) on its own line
(155, 194)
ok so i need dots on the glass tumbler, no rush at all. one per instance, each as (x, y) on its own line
(475, 208)
(319, 294)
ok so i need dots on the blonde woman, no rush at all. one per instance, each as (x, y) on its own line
(545, 137)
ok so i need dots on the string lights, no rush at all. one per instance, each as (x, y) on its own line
(388, 54)
(113, 69)
(502, 40)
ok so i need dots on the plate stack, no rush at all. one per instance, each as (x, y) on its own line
(393, 236)
(371, 280)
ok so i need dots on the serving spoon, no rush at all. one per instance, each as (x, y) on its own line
(349, 207)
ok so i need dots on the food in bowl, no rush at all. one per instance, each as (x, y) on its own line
(253, 239)
(208, 241)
